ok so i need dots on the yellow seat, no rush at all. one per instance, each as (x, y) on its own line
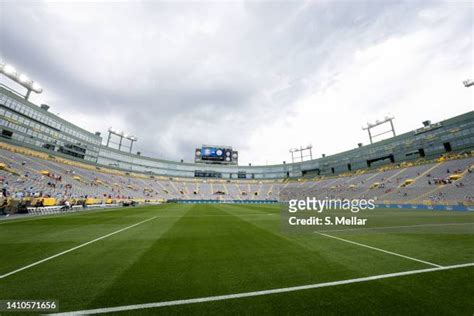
(455, 177)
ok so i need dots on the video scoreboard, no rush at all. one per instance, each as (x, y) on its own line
(216, 155)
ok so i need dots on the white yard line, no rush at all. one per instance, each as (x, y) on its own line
(258, 293)
(392, 227)
(381, 250)
(74, 248)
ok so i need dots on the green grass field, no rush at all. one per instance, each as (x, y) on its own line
(180, 252)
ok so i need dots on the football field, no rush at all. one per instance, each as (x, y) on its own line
(235, 259)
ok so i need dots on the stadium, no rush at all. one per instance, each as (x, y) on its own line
(90, 226)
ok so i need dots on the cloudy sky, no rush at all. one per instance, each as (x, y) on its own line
(262, 77)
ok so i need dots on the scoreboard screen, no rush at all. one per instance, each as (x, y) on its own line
(216, 154)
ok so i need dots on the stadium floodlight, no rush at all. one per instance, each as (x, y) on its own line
(9, 70)
(387, 119)
(121, 136)
(468, 83)
(22, 79)
(36, 87)
(302, 150)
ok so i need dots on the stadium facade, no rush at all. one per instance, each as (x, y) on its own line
(25, 124)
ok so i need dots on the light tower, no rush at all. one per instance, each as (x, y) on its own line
(468, 83)
(387, 119)
(10, 72)
(302, 151)
(121, 135)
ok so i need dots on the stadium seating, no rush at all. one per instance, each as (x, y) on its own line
(27, 176)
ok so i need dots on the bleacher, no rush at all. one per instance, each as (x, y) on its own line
(25, 175)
